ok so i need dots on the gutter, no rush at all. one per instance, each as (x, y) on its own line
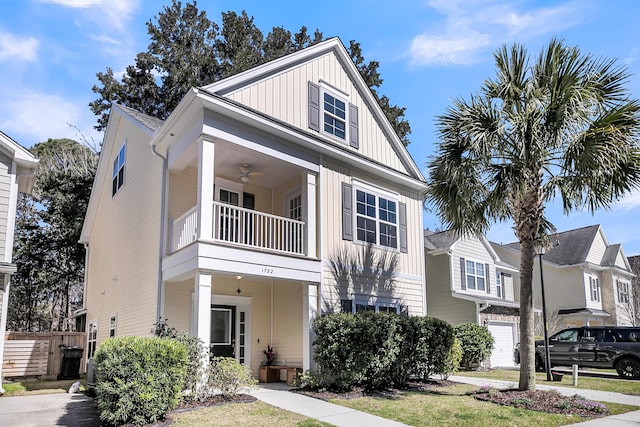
(161, 245)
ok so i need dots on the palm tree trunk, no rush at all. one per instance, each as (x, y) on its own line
(527, 341)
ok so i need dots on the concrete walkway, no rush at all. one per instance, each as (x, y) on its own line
(278, 394)
(623, 420)
(44, 410)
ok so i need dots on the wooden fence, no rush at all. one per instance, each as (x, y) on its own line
(36, 350)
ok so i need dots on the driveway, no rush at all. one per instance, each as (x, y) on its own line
(60, 409)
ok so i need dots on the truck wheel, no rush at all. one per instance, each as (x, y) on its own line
(628, 368)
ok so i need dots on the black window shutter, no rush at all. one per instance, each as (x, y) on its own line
(402, 211)
(463, 275)
(314, 106)
(353, 126)
(347, 212)
(488, 278)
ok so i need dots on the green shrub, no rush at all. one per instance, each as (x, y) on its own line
(376, 350)
(138, 380)
(195, 354)
(225, 376)
(476, 342)
(453, 359)
(357, 350)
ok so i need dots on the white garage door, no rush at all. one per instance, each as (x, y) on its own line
(503, 334)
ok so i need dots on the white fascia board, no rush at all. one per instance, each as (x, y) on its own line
(241, 114)
(478, 299)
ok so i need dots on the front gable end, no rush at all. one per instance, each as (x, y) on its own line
(320, 92)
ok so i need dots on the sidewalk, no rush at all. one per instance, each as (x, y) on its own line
(623, 420)
(277, 394)
(40, 410)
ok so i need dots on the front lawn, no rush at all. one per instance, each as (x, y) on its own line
(255, 414)
(451, 406)
(603, 384)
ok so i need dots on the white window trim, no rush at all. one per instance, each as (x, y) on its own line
(225, 184)
(499, 285)
(377, 192)
(475, 275)
(592, 280)
(342, 96)
(619, 284)
(113, 327)
(89, 340)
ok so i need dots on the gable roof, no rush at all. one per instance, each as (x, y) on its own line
(150, 122)
(335, 46)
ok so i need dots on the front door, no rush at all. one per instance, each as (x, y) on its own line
(223, 330)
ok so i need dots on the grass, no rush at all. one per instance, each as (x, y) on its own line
(613, 385)
(256, 414)
(23, 388)
(449, 406)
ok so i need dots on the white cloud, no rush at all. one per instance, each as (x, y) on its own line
(470, 27)
(32, 117)
(631, 201)
(115, 13)
(18, 48)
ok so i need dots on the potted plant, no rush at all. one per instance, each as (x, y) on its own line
(267, 375)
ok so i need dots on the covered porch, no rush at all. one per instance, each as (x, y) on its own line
(239, 315)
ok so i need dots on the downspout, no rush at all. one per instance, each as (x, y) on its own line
(161, 246)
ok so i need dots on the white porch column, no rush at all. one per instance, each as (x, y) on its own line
(206, 175)
(309, 313)
(309, 211)
(202, 308)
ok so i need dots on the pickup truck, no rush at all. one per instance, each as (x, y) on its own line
(609, 347)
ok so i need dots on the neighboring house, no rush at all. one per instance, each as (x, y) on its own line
(17, 174)
(634, 291)
(227, 217)
(468, 282)
(586, 280)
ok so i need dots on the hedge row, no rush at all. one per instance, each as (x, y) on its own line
(376, 350)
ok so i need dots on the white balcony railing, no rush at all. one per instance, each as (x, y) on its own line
(246, 227)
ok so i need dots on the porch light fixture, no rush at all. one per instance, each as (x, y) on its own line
(238, 290)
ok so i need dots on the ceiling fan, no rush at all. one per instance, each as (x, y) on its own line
(246, 172)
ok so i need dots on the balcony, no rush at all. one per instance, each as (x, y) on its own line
(243, 228)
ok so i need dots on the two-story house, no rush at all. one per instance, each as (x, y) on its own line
(586, 279)
(17, 175)
(226, 217)
(468, 282)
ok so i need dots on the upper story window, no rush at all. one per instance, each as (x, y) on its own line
(499, 285)
(117, 179)
(594, 286)
(335, 116)
(331, 113)
(623, 291)
(376, 219)
(475, 275)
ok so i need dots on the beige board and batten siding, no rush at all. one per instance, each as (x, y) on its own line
(284, 96)
(123, 262)
(5, 194)
(409, 286)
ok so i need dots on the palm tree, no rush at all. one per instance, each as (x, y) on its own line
(562, 126)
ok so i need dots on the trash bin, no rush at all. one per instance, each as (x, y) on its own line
(70, 364)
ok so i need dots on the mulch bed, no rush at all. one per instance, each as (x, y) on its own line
(359, 392)
(543, 401)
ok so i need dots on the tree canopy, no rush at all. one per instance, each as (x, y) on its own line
(188, 50)
(48, 285)
(561, 126)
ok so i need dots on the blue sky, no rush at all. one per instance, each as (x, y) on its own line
(429, 52)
